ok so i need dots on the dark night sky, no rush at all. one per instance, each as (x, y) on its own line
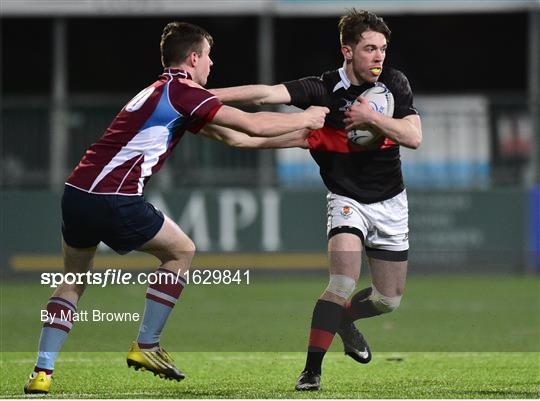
(484, 53)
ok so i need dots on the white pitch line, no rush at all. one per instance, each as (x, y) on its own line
(60, 360)
(82, 395)
(254, 357)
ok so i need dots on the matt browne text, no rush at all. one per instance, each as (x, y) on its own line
(94, 315)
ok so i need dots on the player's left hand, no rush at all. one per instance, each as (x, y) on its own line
(359, 115)
(316, 116)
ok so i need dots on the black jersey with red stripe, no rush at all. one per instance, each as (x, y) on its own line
(365, 174)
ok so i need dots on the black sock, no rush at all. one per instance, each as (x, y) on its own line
(325, 321)
(360, 307)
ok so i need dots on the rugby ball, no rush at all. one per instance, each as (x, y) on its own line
(382, 101)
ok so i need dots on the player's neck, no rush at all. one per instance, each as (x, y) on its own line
(185, 68)
(353, 79)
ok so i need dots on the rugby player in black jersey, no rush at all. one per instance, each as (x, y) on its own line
(367, 202)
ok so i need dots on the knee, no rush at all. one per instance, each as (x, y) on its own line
(383, 303)
(184, 247)
(182, 253)
(190, 246)
(340, 285)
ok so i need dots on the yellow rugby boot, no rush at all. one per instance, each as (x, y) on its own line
(40, 384)
(158, 362)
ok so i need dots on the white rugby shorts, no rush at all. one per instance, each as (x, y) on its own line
(384, 225)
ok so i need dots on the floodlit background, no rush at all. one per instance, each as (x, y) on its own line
(474, 194)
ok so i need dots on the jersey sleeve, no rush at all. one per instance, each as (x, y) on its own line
(403, 96)
(198, 105)
(305, 92)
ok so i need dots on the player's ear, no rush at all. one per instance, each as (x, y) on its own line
(193, 58)
(347, 52)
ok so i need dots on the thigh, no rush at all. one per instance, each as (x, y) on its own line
(171, 246)
(346, 228)
(388, 277)
(345, 255)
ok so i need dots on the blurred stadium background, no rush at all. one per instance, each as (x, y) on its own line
(474, 185)
(68, 67)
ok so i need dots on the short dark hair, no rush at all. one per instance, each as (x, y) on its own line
(179, 39)
(353, 24)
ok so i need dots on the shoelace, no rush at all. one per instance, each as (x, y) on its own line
(165, 355)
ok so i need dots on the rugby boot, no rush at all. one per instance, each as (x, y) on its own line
(158, 362)
(39, 384)
(308, 381)
(354, 343)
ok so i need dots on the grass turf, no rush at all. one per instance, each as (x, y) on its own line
(272, 375)
(453, 337)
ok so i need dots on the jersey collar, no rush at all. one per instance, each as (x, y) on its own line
(176, 72)
(344, 82)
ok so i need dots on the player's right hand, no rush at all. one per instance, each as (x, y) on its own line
(358, 115)
(315, 116)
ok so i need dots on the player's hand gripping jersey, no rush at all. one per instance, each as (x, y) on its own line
(143, 135)
(366, 175)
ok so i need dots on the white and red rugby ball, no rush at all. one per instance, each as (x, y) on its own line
(381, 100)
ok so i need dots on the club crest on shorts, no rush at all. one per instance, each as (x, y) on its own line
(346, 211)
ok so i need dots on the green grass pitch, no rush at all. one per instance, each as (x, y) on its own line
(453, 337)
(272, 375)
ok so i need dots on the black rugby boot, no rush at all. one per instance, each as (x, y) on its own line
(308, 381)
(354, 343)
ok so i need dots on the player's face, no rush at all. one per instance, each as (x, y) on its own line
(202, 69)
(367, 57)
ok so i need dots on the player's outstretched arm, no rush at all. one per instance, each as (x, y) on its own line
(269, 124)
(253, 94)
(247, 94)
(406, 131)
(240, 140)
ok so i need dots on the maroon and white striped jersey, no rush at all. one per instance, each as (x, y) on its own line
(143, 135)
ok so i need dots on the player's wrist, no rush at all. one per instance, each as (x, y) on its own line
(376, 120)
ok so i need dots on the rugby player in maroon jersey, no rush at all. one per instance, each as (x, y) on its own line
(103, 198)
